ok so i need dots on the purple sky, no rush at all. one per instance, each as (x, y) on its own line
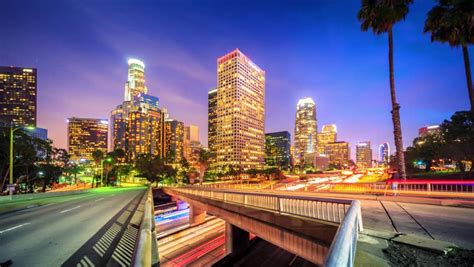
(307, 48)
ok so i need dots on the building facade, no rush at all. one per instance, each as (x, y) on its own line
(277, 149)
(174, 140)
(306, 129)
(429, 130)
(138, 125)
(384, 154)
(191, 145)
(85, 136)
(364, 155)
(240, 131)
(212, 120)
(338, 152)
(18, 88)
(327, 135)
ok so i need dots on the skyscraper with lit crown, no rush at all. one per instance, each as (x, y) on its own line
(240, 131)
(306, 129)
(137, 125)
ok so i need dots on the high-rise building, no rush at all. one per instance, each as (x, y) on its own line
(135, 84)
(328, 134)
(277, 149)
(174, 140)
(306, 129)
(212, 120)
(364, 155)
(18, 96)
(86, 136)
(137, 125)
(191, 146)
(429, 130)
(240, 131)
(338, 152)
(384, 153)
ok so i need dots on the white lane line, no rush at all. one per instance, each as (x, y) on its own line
(14, 227)
(63, 211)
(98, 199)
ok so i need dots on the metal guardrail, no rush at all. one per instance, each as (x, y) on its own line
(146, 250)
(331, 210)
(464, 188)
(343, 249)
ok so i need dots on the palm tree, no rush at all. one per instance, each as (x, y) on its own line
(97, 155)
(204, 158)
(381, 16)
(452, 21)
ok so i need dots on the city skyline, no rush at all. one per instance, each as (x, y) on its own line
(181, 75)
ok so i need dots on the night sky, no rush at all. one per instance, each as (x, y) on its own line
(307, 48)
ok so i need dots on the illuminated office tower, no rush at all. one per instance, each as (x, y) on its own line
(364, 155)
(212, 120)
(135, 84)
(306, 129)
(384, 153)
(277, 149)
(86, 136)
(240, 138)
(191, 145)
(429, 130)
(338, 152)
(328, 134)
(18, 96)
(137, 125)
(174, 140)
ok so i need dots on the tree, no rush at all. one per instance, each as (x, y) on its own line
(452, 21)
(98, 156)
(381, 16)
(204, 159)
(153, 168)
(458, 134)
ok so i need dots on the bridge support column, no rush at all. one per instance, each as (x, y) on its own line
(236, 240)
(196, 215)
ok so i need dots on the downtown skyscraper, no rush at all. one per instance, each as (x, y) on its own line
(138, 125)
(364, 155)
(18, 96)
(306, 129)
(240, 113)
(85, 135)
(384, 153)
(327, 135)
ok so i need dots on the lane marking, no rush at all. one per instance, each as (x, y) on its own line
(70, 209)
(98, 199)
(14, 227)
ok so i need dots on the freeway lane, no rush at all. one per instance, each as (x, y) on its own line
(48, 235)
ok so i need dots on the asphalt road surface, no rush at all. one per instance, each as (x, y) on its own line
(50, 234)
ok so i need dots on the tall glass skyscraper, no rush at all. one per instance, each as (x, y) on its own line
(240, 138)
(135, 84)
(85, 136)
(364, 155)
(384, 153)
(277, 149)
(306, 129)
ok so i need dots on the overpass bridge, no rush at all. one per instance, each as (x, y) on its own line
(321, 230)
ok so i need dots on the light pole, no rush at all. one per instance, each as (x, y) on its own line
(102, 168)
(11, 186)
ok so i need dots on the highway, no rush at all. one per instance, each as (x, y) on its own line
(49, 235)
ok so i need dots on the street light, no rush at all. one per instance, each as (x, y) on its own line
(102, 168)
(11, 186)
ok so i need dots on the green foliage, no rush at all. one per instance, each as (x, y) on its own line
(154, 169)
(381, 15)
(455, 141)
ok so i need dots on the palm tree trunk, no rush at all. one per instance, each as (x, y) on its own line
(397, 128)
(467, 67)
